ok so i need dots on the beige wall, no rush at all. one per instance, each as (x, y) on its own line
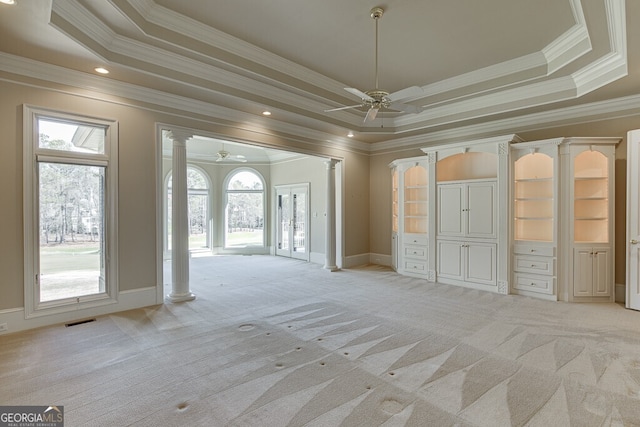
(366, 195)
(137, 180)
(314, 172)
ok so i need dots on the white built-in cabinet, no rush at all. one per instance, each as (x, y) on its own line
(469, 183)
(410, 219)
(587, 219)
(562, 192)
(507, 216)
(534, 195)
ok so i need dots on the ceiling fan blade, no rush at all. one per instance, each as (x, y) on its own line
(343, 108)
(371, 114)
(358, 93)
(405, 108)
(410, 92)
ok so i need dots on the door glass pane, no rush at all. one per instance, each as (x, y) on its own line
(299, 212)
(284, 216)
(71, 212)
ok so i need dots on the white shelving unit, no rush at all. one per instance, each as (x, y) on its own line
(587, 219)
(535, 218)
(410, 216)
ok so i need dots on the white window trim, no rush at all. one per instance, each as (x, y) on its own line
(31, 154)
(165, 207)
(264, 193)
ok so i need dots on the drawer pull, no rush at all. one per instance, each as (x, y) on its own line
(533, 250)
(533, 265)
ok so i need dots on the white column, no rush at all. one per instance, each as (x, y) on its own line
(179, 220)
(330, 240)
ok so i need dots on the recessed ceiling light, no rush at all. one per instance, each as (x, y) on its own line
(8, 1)
(101, 70)
(350, 134)
(266, 113)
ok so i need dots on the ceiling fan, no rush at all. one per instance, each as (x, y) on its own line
(224, 155)
(376, 99)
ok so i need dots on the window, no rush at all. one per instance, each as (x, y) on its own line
(70, 211)
(198, 209)
(244, 213)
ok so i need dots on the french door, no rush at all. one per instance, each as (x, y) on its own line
(292, 217)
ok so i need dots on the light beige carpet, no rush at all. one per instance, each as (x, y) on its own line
(277, 342)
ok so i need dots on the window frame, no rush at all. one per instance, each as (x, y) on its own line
(33, 154)
(190, 191)
(263, 191)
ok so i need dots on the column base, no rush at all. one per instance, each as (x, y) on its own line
(181, 297)
(331, 268)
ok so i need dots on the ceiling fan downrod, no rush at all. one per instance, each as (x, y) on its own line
(376, 14)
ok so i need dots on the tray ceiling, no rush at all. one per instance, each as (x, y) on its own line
(477, 62)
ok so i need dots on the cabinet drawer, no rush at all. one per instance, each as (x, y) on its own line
(539, 284)
(412, 239)
(537, 265)
(534, 250)
(415, 251)
(415, 267)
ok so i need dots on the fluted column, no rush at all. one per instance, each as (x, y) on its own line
(179, 220)
(330, 239)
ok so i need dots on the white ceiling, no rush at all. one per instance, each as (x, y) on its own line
(492, 66)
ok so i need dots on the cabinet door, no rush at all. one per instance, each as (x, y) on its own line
(450, 259)
(601, 272)
(582, 272)
(481, 209)
(481, 263)
(450, 199)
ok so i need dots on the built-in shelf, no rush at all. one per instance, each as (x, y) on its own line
(591, 198)
(533, 198)
(416, 194)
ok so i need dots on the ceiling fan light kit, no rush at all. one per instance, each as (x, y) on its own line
(377, 99)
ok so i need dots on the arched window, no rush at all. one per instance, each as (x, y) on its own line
(198, 209)
(244, 212)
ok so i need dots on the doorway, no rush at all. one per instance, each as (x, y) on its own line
(292, 221)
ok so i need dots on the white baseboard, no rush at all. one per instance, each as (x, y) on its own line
(127, 300)
(380, 259)
(356, 260)
(621, 293)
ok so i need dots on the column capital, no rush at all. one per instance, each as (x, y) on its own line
(331, 163)
(180, 136)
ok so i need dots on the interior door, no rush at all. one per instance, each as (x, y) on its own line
(292, 232)
(633, 220)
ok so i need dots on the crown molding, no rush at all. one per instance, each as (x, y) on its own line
(107, 90)
(512, 95)
(628, 106)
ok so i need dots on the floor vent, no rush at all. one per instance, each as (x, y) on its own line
(80, 322)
